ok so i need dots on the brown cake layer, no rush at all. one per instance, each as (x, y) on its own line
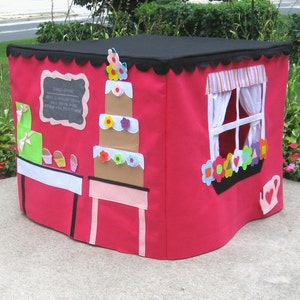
(121, 105)
(123, 140)
(121, 173)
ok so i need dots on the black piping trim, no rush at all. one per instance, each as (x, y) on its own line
(119, 183)
(74, 213)
(23, 193)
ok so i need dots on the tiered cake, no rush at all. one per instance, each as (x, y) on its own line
(117, 158)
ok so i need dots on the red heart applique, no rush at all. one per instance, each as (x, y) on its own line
(269, 195)
(236, 161)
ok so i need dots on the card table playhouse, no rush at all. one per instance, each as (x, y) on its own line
(157, 146)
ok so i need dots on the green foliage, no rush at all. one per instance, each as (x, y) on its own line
(127, 6)
(222, 19)
(163, 17)
(89, 4)
(72, 31)
(5, 100)
(293, 33)
(1, 73)
(122, 24)
(291, 136)
(98, 6)
(7, 146)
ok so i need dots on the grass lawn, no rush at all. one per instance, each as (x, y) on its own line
(5, 98)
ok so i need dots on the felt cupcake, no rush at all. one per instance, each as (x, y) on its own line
(73, 163)
(59, 159)
(47, 156)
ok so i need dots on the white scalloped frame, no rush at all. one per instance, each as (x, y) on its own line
(68, 77)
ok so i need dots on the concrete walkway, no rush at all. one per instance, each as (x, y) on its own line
(261, 262)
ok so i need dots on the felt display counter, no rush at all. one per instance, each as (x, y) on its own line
(157, 146)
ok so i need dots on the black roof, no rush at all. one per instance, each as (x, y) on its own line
(152, 51)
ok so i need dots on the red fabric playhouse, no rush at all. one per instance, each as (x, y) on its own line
(157, 146)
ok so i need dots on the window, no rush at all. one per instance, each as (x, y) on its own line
(236, 100)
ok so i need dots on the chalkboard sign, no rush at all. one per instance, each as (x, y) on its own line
(64, 99)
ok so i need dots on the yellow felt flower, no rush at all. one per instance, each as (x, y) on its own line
(228, 165)
(109, 121)
(112, 73)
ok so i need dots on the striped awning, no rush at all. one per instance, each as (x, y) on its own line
(229, 80)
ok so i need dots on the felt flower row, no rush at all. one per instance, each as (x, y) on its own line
(236, 162)
(118, 123)
(119, 157)
(116, 70)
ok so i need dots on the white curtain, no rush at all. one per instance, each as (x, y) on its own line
(251, 101)
(219, 106)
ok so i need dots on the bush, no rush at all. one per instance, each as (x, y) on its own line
(170, 17)
(291, 136)
(49, 32)
(223, 19)
(98, 6)
(293, 33)
(163, 17)
(7, 146)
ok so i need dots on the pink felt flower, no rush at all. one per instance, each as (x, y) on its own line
(219, 171)
(113, 58)
(117, 90)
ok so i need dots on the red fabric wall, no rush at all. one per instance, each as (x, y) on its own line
(184, 216)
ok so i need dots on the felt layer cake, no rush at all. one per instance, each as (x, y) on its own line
(116, 158)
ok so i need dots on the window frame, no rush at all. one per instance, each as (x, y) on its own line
(235, 79)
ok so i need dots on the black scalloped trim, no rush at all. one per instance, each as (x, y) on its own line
(161, 53)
